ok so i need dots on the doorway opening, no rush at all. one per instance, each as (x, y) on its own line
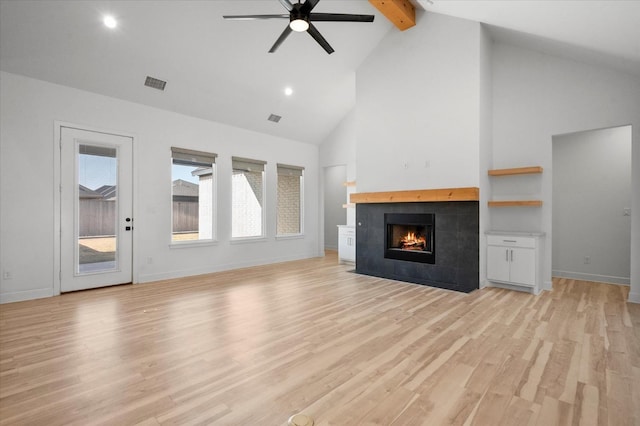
(335, 195)
(591, 213)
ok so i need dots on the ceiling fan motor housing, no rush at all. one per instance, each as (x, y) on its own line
(298, 20)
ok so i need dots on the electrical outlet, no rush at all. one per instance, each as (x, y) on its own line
(626, 211)
(7, 275)
(587, 260)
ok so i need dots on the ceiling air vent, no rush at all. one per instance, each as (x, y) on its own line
(155, 83)
(274, 118)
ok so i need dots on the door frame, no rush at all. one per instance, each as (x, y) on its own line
(57, 171)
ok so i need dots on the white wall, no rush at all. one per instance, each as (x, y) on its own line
(339, 148)
(30, 107)
(537, 96)
(418, 101)
(485, 145)
(338, 159)
(591, 190)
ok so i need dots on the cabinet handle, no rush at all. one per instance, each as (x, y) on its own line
(510, 241)
(506, 252)
(512, 255)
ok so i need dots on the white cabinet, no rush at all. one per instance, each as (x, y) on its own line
(346, 243)
(514, 259)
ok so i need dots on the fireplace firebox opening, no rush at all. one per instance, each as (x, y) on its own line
(410, 237)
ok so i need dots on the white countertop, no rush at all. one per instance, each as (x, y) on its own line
(516, 233)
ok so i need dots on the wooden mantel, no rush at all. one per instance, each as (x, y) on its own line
(417, 196)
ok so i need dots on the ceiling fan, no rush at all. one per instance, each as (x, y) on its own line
(300, 18)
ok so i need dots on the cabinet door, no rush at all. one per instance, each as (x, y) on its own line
(342, 244)
(523, 266)
(497, 263)
(347, 244)
(350, 253)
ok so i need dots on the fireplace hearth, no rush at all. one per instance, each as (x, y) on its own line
(410, 237)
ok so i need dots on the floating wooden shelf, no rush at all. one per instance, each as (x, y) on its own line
(516, 171)
(419, 195)
(516, 203)
(349, 183)
(348, 205)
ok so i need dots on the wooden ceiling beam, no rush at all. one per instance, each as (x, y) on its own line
(400, 12)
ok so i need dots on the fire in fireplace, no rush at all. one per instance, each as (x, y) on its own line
(410, 237)
(412, 241)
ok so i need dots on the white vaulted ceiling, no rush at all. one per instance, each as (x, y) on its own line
(222, 71)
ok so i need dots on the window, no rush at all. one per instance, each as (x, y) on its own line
(192, 195)
(247, 198)
(290, 181)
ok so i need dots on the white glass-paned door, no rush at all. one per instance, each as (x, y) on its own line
(96, 204)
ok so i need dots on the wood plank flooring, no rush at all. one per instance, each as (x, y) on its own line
(254, 346)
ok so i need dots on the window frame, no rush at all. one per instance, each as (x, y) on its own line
(244, 165)
(288, 170)
(195, 158)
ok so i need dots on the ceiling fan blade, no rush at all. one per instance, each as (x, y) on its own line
(308, 6)
(287, 5)
(280, 39)
(340, 17)
(313, 31)
(254, 17)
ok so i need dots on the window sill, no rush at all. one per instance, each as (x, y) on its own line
(289, 237)
(246, 240)
(195, 243)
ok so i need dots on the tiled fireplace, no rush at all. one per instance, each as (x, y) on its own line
(430, 243)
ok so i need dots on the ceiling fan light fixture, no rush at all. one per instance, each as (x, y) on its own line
(299, 25)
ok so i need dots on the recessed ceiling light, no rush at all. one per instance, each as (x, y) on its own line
(110, 22)
(288, 91)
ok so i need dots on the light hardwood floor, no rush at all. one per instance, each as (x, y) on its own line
(253, 347)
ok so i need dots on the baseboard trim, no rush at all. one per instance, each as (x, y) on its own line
(21, 296)
(592, 277)
(633, 298)
(506, 286)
